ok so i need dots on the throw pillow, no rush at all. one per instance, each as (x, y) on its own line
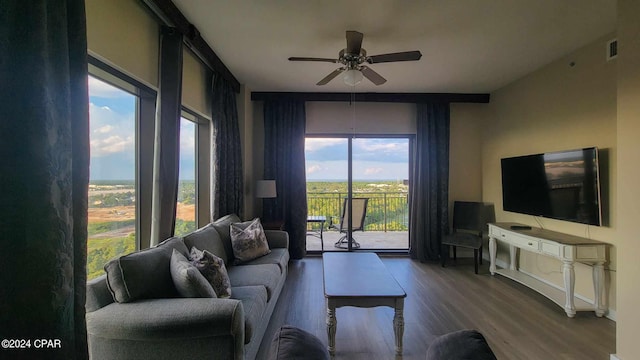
(144, 274)
(213, 269)
(188, 280)
(248, 242)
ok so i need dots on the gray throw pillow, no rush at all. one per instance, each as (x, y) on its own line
(144, 274)
(248, 241)
(188, 280)
(213, 270)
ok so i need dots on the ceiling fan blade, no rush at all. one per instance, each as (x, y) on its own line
(399, 56)
(372, 75)
(312, 59)
(354, 42)
(331, 76)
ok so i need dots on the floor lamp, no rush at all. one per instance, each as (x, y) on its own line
(266, 189)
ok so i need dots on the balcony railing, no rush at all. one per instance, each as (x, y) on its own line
(385, 211)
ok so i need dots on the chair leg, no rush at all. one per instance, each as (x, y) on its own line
(475, 260)
(444, 254)
(480, 254)
(455, 256)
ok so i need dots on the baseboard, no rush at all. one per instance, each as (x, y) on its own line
(614, 357)
(610, 314)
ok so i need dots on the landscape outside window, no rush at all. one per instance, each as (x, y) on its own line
(112, 185)
(186, 207)
(380, 173)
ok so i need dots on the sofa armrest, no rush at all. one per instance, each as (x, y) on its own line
(98, 294)
(177, 318)
(277, 238)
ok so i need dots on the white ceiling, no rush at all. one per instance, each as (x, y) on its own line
(468, 46)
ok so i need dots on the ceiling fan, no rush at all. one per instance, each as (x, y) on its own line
(354, 56)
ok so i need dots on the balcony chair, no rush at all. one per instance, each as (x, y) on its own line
(469, 226)
(358, 214)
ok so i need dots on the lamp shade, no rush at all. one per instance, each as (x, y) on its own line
(266, 189)
(352, 77)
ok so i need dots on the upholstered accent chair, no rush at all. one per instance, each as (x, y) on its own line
(469, 228)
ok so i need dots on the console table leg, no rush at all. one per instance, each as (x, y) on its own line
(569, 276)
(513, 258)
(398, 325)
(598, 287)
(492, 255)
(332, 323)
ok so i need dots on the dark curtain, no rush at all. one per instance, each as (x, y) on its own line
(167, 138)
(227, 198)
(429, 201)
(44, 176)
(284, 134)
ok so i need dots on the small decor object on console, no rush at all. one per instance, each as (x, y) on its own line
(213, 269)
(248, 241)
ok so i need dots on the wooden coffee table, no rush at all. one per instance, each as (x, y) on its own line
(361, 280)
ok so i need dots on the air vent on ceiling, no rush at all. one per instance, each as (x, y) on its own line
(612, 49)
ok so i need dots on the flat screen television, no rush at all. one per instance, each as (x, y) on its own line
(560, 185)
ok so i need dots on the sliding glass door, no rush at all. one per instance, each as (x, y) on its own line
(370, 174)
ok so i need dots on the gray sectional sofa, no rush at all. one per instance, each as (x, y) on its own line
(150, 321)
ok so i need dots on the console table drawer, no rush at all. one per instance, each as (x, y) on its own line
(551, 249)
(525, 243)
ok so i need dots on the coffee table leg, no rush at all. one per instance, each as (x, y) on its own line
(331, 327)
(398, 325)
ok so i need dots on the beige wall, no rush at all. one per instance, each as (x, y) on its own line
(568, 104)
(123, 34)
(465, 152)
(628, 179)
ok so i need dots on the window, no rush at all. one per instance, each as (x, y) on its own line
(380, 171)
(186, 206)
(112, 185)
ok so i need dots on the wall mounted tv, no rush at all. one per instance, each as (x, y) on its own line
(559, 185)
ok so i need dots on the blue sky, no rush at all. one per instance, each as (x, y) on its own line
(373, 158)
(112, 127)
(112, 134)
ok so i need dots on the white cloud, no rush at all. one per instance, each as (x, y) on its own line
(100, 88)
(313, 168)
(387, 147)
(111, 145)
(373, 171)
(104, 129)
(111, 132)
(314, 144)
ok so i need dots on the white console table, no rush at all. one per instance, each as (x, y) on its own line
(567, 248)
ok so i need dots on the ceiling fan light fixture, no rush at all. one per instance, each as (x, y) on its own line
(352, 77)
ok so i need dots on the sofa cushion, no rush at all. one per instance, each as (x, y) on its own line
(460, 345)
(278, 256)
(292, 343)
(207, 238)
(187, 278)
(254, 303)
(213, 269)
(222, 226)
(144, 274)
(248, 241)
(267, 275)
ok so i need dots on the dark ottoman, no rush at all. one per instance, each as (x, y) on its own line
(460, 345)
(292, 343)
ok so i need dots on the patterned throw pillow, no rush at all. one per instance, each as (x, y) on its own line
(248, 242)
(213, 269)
(188, 280)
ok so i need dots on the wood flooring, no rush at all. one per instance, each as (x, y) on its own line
(518, 323)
